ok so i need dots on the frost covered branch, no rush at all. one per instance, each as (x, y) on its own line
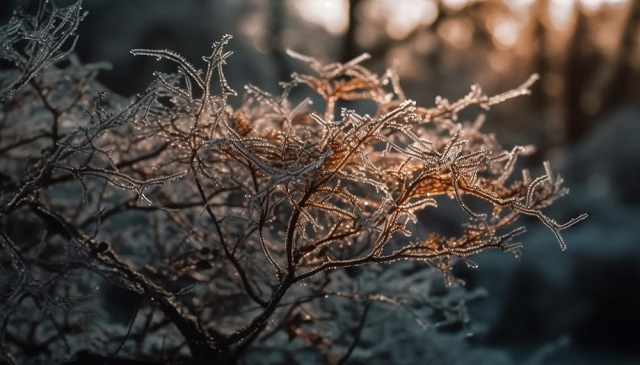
(231, 228)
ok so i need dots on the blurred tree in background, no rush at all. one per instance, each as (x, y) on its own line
(584, 51)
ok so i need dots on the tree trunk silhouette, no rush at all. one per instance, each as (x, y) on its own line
(578, 71)
(278, 12)
(618, 87)
(540, 57)
(350, 48)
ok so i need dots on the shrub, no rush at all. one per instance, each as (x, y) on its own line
(208, 232)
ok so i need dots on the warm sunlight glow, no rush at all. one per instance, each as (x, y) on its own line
(332, 15)
(407, 15)
(504, 30)
(592, 5)
(561, 11)
(458, 33)
(520, 5)
(398, 19)
(401, 17)
(455, 4)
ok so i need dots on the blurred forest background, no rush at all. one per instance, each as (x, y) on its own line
(581, 306)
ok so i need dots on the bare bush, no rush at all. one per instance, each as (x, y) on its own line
(229, 232)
